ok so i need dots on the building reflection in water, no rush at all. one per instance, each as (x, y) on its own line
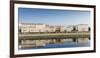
(54, 43)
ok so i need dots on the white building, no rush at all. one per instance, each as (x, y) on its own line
(51, 29)
(31, 27)
(82, 27)
(78, 28)
(62, 29)
(69, 29)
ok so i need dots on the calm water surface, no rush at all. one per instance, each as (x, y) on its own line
(66, 44)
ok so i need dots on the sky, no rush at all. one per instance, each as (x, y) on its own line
(53, 16)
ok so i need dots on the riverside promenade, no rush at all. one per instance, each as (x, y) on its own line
(55, 35)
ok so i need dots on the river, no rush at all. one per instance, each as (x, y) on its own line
(66, 43)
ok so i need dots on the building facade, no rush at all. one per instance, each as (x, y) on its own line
(31, 27)
(82, 27)
(69, 28)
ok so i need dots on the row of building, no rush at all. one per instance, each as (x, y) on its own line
(38, 27)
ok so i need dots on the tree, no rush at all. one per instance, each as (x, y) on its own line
(74, 29)
(88, 28)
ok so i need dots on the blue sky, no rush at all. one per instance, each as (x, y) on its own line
(53, 16)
